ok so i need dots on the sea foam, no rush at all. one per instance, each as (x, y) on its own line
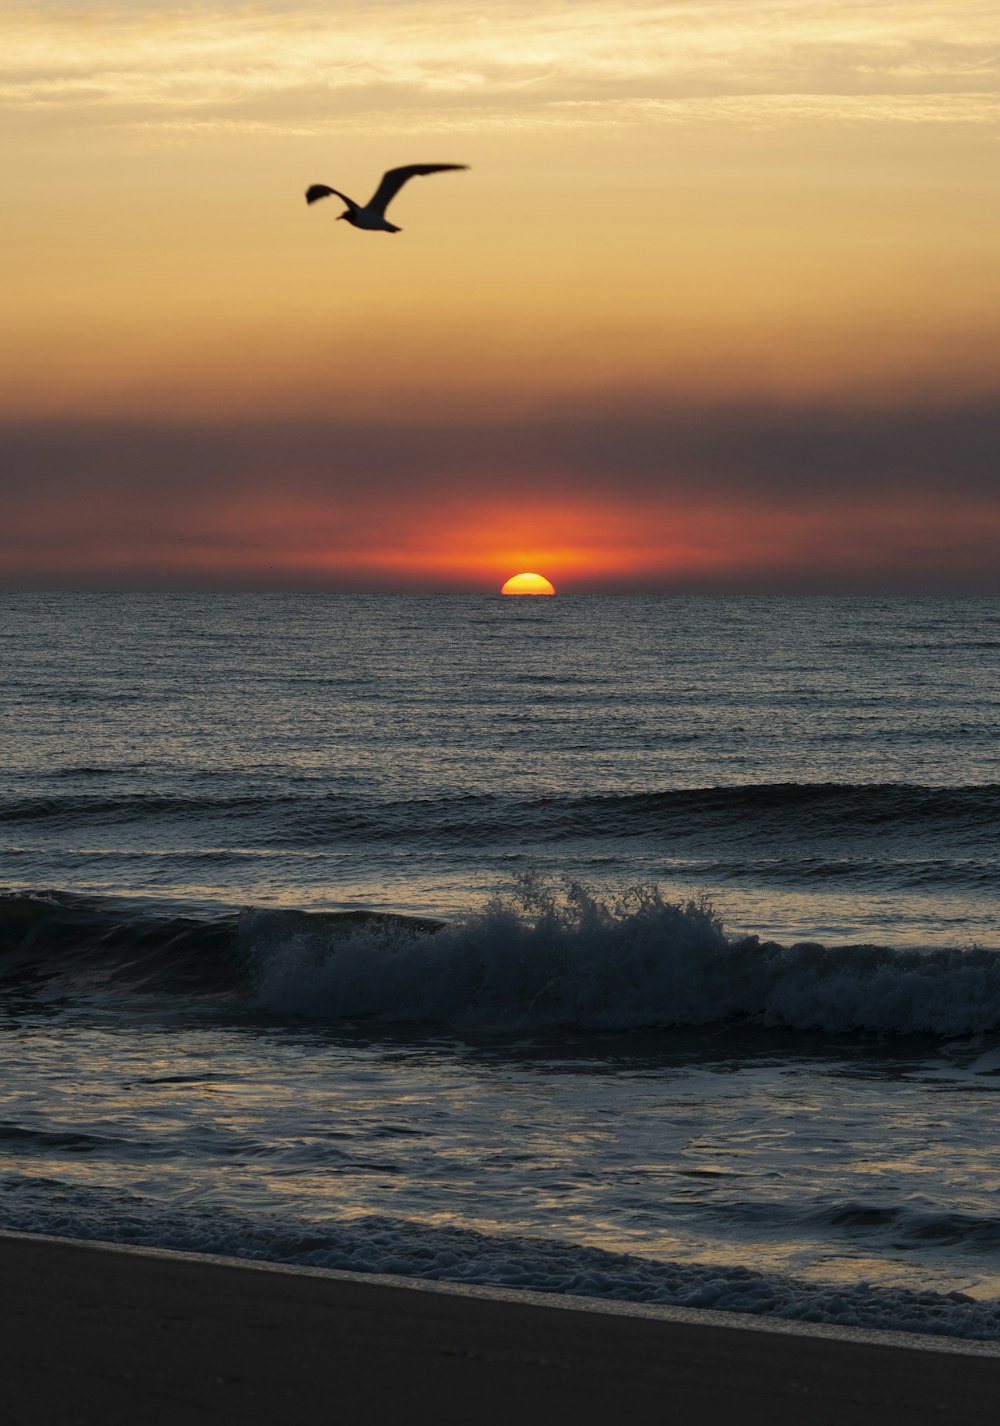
(440, 1253)
(555, 954)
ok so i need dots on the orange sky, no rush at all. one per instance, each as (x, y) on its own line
(717, 305)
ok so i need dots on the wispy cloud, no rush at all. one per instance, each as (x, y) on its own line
(300, 67)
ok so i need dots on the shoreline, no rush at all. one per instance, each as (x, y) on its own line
(569, 1302)
(101, 1332)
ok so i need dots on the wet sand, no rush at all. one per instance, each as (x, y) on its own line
(92, 1334)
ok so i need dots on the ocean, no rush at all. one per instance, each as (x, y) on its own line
(644, 948)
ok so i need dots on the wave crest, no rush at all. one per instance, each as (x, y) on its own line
(549, 955)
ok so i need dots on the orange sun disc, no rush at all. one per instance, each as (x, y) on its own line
(528, 584)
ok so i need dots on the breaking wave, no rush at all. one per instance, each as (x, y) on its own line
(556, 955)
(545, 955)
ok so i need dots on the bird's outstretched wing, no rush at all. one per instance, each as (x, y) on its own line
(320, 190)
(393, 181)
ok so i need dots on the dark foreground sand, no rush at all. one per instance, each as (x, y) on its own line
(97, 1335)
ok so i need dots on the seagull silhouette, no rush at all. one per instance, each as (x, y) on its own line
(372, 215)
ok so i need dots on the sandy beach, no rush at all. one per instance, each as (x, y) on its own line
(93, 1334)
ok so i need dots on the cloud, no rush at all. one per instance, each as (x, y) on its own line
(299, 66)
(725, 496)
(643, 444)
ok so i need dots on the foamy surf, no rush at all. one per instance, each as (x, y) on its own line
(382, 1245)
(556, 954)
(543, 956)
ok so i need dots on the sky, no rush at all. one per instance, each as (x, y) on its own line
(716, 307)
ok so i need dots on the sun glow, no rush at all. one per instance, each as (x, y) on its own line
(528, 584)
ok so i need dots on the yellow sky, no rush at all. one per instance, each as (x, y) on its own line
(688, 207)
(792, 197)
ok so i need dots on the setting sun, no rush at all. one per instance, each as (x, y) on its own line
(528, 584)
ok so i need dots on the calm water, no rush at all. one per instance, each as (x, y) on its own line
(373, 932)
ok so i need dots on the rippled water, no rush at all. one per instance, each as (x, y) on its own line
(519, 1070)
(407, 753)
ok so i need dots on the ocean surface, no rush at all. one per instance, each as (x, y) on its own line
(638, 947)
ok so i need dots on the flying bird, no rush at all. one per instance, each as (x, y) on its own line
(372, 215)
